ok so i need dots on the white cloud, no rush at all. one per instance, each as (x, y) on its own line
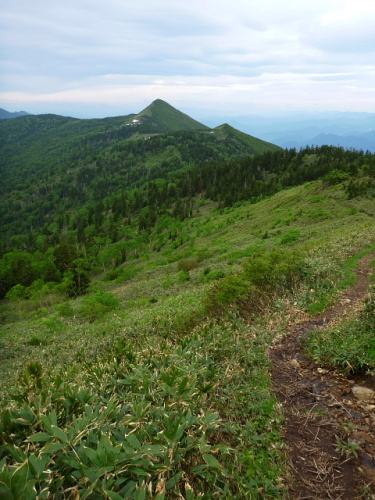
(240, 53)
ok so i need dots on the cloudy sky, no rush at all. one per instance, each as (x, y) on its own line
(95, 58)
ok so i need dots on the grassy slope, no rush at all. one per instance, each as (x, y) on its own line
(152, 320)
(224, 131)
(223, 240)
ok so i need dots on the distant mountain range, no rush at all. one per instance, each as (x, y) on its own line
(348, 130)
(359, 142)
(5, 115)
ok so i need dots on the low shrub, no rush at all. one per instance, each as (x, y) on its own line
(217, 274)
(276, 270)
(231, 290)
(183, 276)
(187, 265)
(126, 273)
(65, 310)
(36, 341)
(113, 274)
(351, 346)
(263, 276)
(290, 237)
(98, 305)
(335, 177)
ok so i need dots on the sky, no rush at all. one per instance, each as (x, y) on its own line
(97, 58)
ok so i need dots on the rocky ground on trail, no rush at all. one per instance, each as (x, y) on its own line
(329, 418)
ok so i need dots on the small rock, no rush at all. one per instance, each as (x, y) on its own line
(362, 393)
(295, 363)
(322, 370)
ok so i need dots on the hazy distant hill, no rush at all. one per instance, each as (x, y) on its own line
(5, 115)
(347, 129)
(361, 141)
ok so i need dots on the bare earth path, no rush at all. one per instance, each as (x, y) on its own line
(320, 409)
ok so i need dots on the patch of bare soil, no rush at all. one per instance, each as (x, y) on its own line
(324, 421)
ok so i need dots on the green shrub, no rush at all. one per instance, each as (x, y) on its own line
(209, 275)
(187, 265)
(262, 277)
(113, 274)
(290, 237)
(317, 198)
(65, 310)
(231, 289)
(318, 213)
(351, 346)
(16, 293)
(36, 341)
(183, 276)
(203, 254)
(52, 323)
(335, 177)
(98, 305)
(168, 282)
(360, 187)
(126, 273)
(279, 269)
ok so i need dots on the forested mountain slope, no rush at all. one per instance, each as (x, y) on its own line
(70, 236)
(152, 380)
(52, 164)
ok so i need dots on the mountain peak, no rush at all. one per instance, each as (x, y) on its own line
(158, 104)
(225, 131)
(225, 127)
(165, 117)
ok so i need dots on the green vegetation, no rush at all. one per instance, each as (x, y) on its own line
(198, 416)
(135, 328)
(162, 116)
(51, 164)
(157, 422)
(138, 220)
(349, 347)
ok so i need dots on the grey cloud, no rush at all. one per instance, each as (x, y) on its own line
(51, 46)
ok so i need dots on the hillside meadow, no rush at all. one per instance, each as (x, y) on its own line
(155, 383)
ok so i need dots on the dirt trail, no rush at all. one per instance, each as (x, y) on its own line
(321, 412)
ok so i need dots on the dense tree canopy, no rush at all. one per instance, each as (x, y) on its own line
(85, 204)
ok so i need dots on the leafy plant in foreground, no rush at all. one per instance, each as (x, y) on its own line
(151, 424)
